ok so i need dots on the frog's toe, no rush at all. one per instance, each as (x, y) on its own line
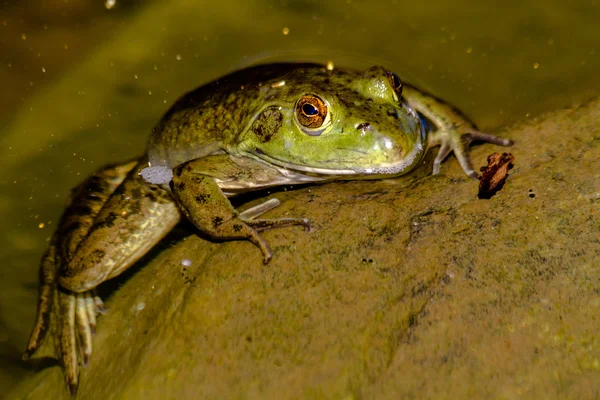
(264, 224)
(91, 311)
(84, 327)
(262, 244)
(250, 215)
(258, 210)
(91, 306)
(78, 324)
(259, 225)
(476, 136)
(68, 340)
(445, 150)
(464, 159)
(462, 152)
(100, 309)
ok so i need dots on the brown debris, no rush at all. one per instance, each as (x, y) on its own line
(494, 175)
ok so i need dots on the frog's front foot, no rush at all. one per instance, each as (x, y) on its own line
(249, 218)
(452, 139)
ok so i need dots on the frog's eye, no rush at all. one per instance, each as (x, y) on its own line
(312, 113)
(396, 83)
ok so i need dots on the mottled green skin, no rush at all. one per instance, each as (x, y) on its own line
(236, 134)
(251, 113)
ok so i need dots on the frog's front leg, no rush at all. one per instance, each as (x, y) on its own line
(206, 206)
(453, 133)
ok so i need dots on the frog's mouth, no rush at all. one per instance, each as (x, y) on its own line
(401, 167)
(300, 168)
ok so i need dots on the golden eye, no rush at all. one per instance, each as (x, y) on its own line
(396, 83)
(311, 111)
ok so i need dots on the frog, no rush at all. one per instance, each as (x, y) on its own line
(261, 127)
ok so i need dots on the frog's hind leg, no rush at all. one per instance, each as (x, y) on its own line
(77, 231)
(206, 206)
(85, 202)
(133, 217)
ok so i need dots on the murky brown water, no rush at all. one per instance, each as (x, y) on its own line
(83, 85)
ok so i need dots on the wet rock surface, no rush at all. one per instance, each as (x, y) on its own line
(405, 288)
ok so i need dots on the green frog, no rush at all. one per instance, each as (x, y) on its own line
(264, 126)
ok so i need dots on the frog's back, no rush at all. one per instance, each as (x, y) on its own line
(201, 120)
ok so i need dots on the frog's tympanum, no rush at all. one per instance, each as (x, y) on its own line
(260, 127)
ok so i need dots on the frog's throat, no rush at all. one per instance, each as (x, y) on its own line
(399, 168)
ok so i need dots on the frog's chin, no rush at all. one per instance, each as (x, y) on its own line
(401, 167)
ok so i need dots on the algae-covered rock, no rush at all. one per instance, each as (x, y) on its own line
(405, 288)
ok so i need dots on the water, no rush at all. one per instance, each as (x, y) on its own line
(83, 86)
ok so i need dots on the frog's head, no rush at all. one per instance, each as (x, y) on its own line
(335, 123)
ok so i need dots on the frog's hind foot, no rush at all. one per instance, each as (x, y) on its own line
(459, 143)
(78, 325)
(68, 340)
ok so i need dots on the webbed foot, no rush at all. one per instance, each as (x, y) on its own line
(453, 131)
(78, 324)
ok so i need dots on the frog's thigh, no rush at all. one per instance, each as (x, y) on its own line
(134, 218)
(204, 204)
(86, 201)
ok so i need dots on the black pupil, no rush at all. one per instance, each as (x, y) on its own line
(309, 109)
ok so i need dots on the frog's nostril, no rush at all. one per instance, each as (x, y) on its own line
(363, 126)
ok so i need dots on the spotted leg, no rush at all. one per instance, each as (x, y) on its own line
(204, 204)
(109, 225)
(84, 204)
